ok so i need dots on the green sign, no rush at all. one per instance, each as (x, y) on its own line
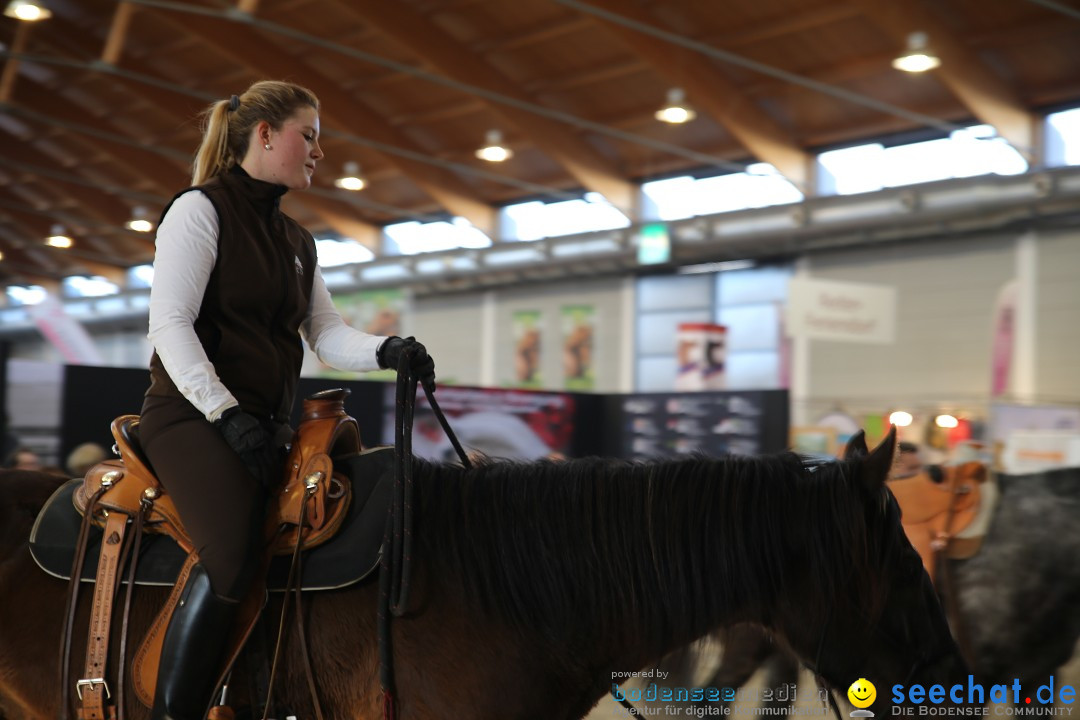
(654, 244)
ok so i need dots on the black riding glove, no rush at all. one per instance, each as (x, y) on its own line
(390, 352)
(252, 441)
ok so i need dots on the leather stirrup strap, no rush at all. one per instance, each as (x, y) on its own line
(73, 602)
(306, 656)
(121, 662)
(92, 689)
(295, 576)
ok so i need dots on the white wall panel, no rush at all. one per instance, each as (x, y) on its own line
(752, 327)
(674, 292)
(946, 292)
(657, 331)
(1057, 338)
(751, 286)
(450, 328)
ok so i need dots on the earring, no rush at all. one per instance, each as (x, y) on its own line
(267, 146)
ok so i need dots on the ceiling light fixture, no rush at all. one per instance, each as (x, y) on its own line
(138, 221)
(676, 111)
(946, 421)
(494, 150)
(918, 57)
(27, 10)
(900, 418)
(351, 180)
(57, 238)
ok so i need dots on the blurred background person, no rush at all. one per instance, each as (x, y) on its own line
(83, 457)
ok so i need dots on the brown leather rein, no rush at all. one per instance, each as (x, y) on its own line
(396, 562)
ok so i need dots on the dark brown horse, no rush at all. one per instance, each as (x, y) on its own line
(535, 585)
(1027, 559)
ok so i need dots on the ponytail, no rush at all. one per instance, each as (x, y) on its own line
(213, 157)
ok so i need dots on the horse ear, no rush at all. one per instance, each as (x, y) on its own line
(856, 446)
(878, 463)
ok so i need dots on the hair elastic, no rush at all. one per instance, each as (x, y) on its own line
(234, 103)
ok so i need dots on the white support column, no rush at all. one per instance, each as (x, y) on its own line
(627, 345)
(487, 340)
(1024, 381)
(800, 364)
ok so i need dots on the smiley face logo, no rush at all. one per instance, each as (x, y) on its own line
(862, 693)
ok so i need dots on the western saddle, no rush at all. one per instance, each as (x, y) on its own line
(940, 506)
(124, 498)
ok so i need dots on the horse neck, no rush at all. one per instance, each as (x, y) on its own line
(628, 559)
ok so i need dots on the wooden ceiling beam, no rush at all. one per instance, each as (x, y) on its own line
(35, 228)
(114, 42)
(68, 27)
(771, 29)
(20, 259)
(342, 218)
(450, 111)
(28, 237)
(712, 92)
(113, 243)
(181, 107)
(1033, 31)
(43, 202)
(565, 145)
(775, 28)
(531, 36)
(11, 67)
(92, 201)
(106, 208)
(158, 173)
(265, 59)
(970, 79)
(591, 76)
(839, 73)
(779, 26)
(47, 97)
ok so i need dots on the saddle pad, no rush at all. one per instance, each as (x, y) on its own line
(346, 558)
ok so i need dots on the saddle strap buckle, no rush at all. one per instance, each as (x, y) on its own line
(90, 683)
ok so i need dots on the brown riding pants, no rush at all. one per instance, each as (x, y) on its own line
(222, 506)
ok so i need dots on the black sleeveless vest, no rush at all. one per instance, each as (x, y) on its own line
(257, 296)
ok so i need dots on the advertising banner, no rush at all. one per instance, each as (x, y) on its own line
(498, 423)
(527, 325)
(577, 333)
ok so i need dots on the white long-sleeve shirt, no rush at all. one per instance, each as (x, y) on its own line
(187, 243)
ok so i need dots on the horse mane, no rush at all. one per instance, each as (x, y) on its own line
(665, 548)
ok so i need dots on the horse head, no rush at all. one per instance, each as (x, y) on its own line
(882, 620)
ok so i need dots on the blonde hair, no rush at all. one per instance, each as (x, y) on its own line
(227, 124)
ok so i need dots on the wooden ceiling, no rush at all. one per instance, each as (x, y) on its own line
(98, 104)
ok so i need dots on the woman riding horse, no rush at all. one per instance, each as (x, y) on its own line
(237, 285)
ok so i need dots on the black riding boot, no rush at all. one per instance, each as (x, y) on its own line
(191, 654)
